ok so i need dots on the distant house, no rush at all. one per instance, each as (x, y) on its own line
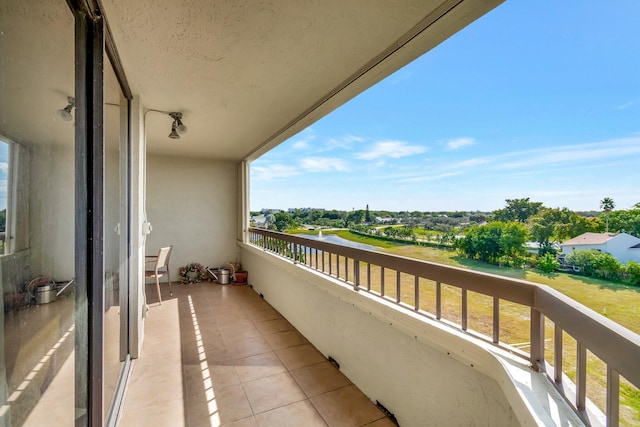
(534, 247)
(259, 220)
(624, 247)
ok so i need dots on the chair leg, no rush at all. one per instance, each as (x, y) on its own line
(158, 288)
(169, 281)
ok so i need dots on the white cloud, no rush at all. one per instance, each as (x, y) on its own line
(431, 177)
(345, 142)
(570, 154)
(394, 149)
(458, 143)
(301, 144)
(323, 164)
(628, 104)
(273, 171)
(4, 167)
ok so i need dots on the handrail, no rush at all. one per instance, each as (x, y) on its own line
(616, 346)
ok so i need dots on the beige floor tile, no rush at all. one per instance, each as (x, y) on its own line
(168, 414)
(234, 319)
(272, 392)
(199, 379)
(245, 422)
(346, 407)
(259, 366)
(164, 386)
(300, 356)
(273, 326)
(149, 367)
(240, 331)
(229, 359)
(296, 414)
(282, 340)
(262, 315)
(245, 347)
(384, 422)
(211, 354)
(207, 326)
(223, 406)
(320, 378)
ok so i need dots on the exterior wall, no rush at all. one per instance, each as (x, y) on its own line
(417, 381)
(192, 204)
(617, 246)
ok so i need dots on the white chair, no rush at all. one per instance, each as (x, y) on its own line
(156, 266)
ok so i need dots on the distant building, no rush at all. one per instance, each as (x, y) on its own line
(384, 220)
(534, 247)
(624, 247)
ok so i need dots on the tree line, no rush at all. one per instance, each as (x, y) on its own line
(502, 240)
(496, 237)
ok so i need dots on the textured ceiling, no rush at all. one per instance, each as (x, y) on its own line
(243, 72)
(36, 71)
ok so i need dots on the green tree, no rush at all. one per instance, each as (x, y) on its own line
(493, 241)
(551, 225)
(625, 221)
(595, 263)
(367, 215)
(633, 270)
(356, 217)
(3, 219)
(548, 263)
(283, 221)
(517, 210)
(607, 204)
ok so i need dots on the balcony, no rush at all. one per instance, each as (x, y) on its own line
(365, 309)
(220, 355)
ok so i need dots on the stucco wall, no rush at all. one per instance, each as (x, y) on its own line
(192, 205)
(420, 384)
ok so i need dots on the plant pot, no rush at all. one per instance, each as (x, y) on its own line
(241, 277)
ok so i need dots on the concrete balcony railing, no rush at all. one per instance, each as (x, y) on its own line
(425, 293)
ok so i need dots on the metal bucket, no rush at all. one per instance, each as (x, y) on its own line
(46, 293)
(223, 276)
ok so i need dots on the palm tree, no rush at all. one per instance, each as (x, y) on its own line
(607, 205)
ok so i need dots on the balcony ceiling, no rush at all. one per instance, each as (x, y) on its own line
(249, 74)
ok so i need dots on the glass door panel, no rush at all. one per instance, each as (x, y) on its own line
(115, 234)
(37, 198)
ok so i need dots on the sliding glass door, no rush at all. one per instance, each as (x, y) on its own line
(64, 237)
(37, 198)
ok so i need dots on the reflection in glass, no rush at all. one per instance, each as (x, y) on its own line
(115, 234)
(37, 264)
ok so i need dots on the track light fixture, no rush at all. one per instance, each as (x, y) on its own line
(65, 113)
(177, 128)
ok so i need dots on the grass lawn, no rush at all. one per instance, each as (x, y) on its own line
(618, 302)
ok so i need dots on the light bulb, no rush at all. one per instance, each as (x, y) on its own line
(65, 113)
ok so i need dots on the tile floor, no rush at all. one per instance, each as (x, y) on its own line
(219, 355)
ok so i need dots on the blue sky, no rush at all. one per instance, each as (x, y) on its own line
(537, 99)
